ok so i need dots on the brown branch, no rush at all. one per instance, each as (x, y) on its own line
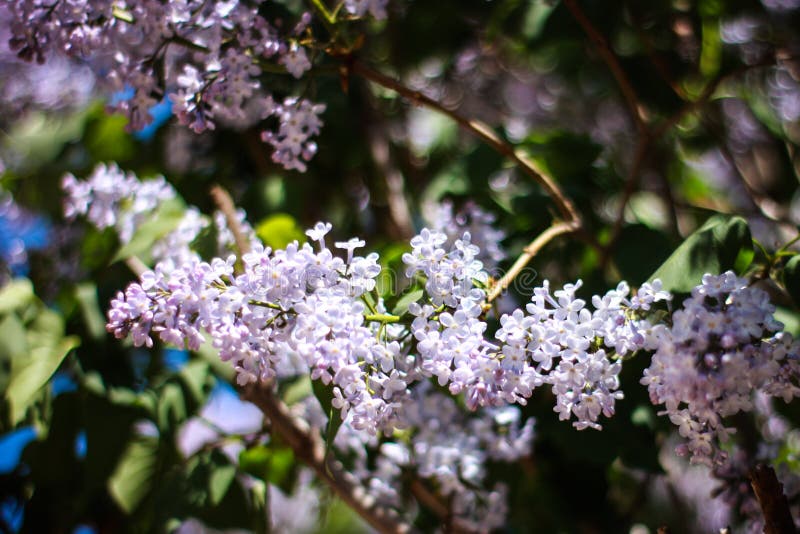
(603, 48)
(309, 448)
(480, 130)
(306, 444)
(631, 182)
(136, 265)
(528, 254)
(572, 220)
(225, 204)
(380, 148)
(770, 496)
(450, 523)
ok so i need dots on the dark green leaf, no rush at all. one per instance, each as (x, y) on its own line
(31, 370)
(714, 248)
(86, 295)
(135, 473)
(791, 278)
(270, 464)
(639, 251)
(324, 395)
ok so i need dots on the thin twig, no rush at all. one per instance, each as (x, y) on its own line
(480, 130)
(136, 265)
(450, 523)
(572, 220)
(225, 204)
(527, 255)
(770, 496)
(603, 48)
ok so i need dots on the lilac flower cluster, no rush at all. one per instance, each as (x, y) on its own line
(443, 217)
(292, 301)
(553, 344)
(450, 449)
(113, 198)
(723, 346)
(206, 57)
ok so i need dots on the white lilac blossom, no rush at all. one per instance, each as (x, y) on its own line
(299, 121)
(293, 301)
(723, 346)
(443, 217)
(554, 343)
(113, 198)
(206, 57)
(446, 447)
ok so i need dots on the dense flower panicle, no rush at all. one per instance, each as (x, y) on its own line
(723, 346)
(205, 57)
(287, 303)
(554, 343)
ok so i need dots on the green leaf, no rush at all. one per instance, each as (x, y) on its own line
(109, 427)
(31, 372)
(86, 295)
(324, 395)
(219, 481)
(13, 337)
(197, 381)
(135, 473)
(164, 220)
(401, 307)
(171, 408)
(279, 230)
(639, 251)
(15, 295)
(791, 278)
(297, 390)
(270, 464)
(713, 248)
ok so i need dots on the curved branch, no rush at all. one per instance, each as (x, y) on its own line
(309, 448)
(572, 220)
(628, 92)
(528, 254)
(480, 130)
(225, 204)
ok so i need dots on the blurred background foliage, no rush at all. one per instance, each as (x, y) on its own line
(652, 116)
